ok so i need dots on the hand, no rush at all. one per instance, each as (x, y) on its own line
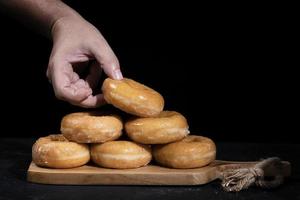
(75, 44)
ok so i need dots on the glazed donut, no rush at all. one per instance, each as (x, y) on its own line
(132, 97)
(91, 127)
(191, 152)
(121, 154)
(168, 126)
(55, 151)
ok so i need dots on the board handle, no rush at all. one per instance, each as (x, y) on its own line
(237, 176)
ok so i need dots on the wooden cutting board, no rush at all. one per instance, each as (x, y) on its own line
(148, 175)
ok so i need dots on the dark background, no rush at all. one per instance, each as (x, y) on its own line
(231, 72)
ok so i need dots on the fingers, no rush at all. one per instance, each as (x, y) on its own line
(66, 83)
(91, 101)
(69, 87)
(112, 69)
(74, 92)
(108, 60)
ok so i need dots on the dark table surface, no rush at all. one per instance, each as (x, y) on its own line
(15, 156)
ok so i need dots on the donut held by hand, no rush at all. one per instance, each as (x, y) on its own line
(132, 97)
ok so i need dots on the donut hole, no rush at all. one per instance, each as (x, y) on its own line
(136, 85)
(166, 114)
(58, 138)
(192, 139)
(93, 113)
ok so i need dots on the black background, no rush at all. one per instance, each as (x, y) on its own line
(231, 72)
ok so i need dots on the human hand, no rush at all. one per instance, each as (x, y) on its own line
(75, 43)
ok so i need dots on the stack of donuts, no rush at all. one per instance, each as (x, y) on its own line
(154, 134)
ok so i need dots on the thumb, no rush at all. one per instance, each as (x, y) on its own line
(109, 62)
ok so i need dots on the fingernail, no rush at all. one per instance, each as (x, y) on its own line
(117, 74)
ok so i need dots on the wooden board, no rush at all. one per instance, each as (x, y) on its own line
(148, 175)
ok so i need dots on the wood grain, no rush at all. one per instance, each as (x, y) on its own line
(148, 175)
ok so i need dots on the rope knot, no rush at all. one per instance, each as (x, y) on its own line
(257, 172)
(234, 180)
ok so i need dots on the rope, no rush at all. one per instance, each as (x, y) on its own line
(234, 180)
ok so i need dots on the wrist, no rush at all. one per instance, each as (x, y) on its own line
(63, 23)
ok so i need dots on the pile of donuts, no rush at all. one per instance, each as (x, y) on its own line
(152, 134)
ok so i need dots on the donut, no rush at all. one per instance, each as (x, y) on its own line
(191, 152)
(91, 127)
(132, 97)
(55, 151)
(121, 154)
(168, 126)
